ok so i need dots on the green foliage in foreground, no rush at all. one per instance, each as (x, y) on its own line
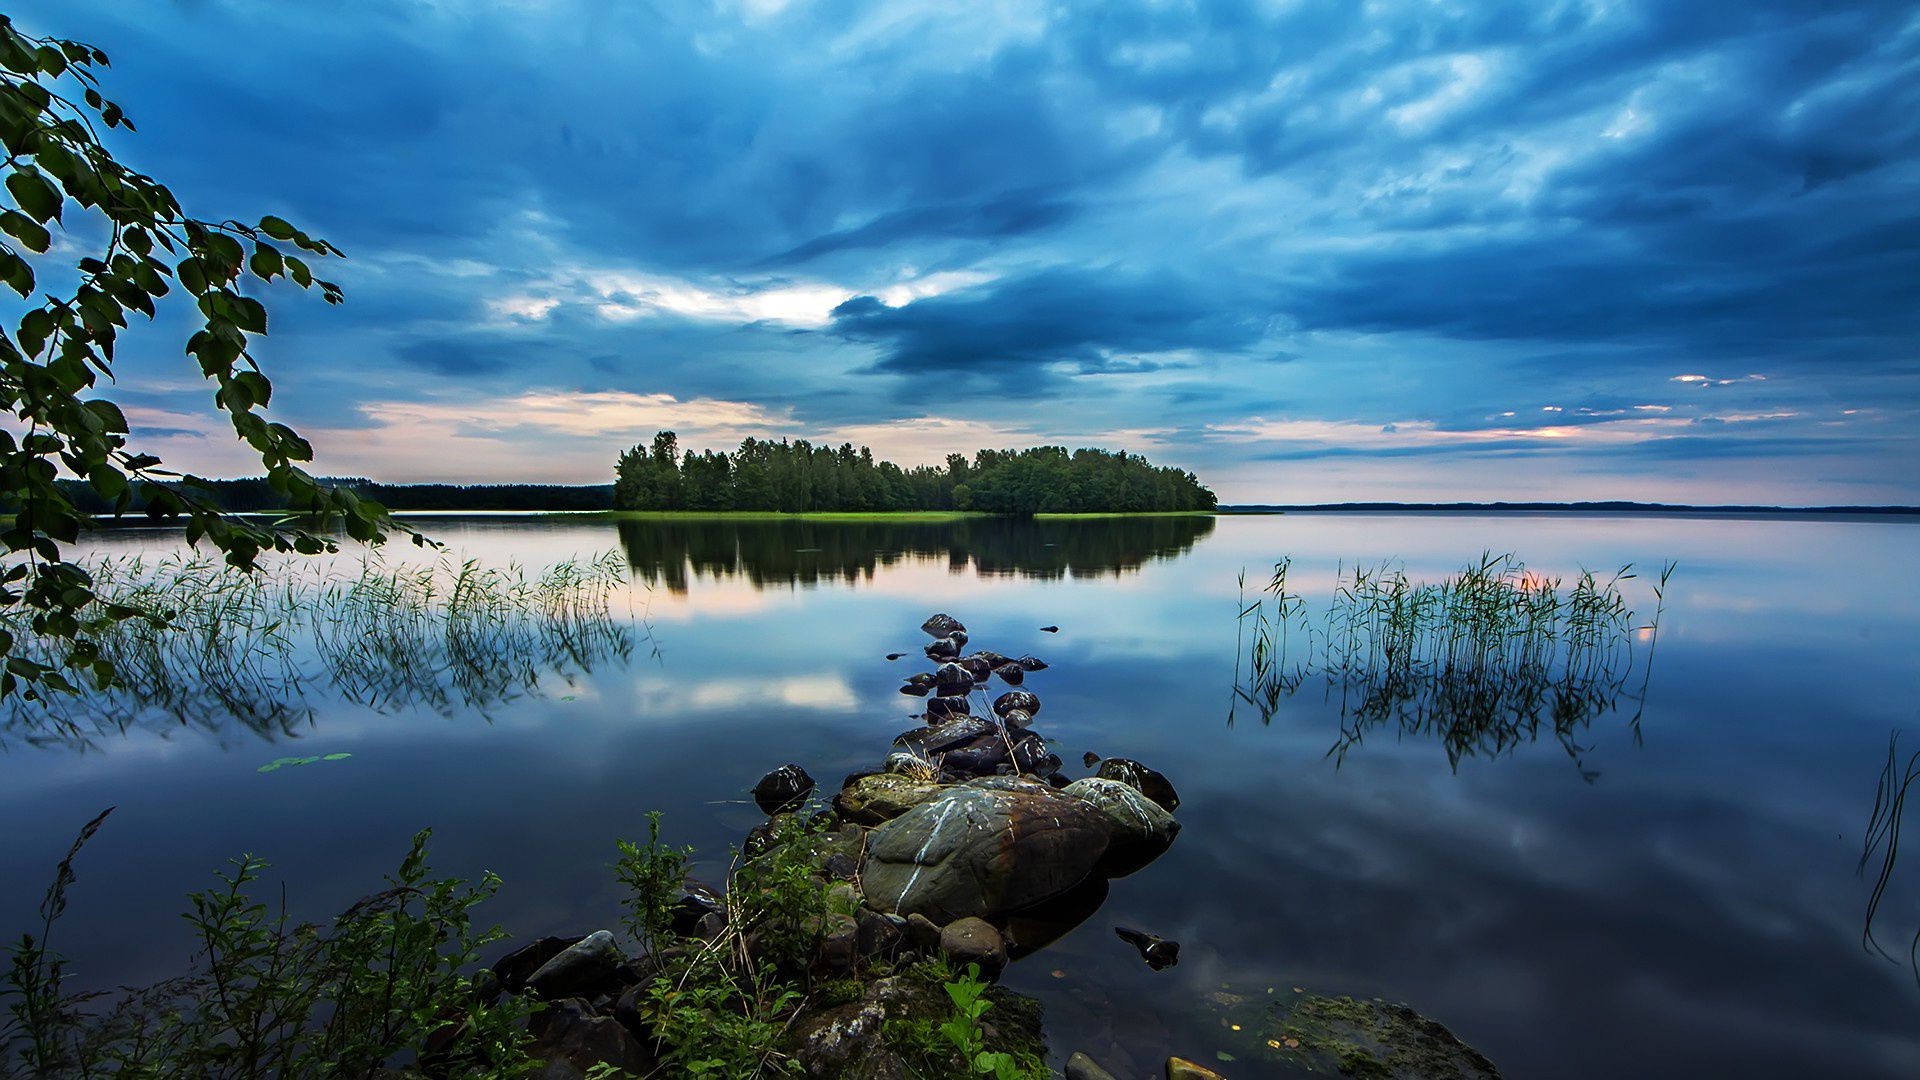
(392, 981)
(798, 477)
(65, 193)
(273, 997)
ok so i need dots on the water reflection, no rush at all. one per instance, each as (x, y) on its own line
(1483, 661)
(671, 552)
(226, 647)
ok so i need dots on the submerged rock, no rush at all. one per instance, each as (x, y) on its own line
(1347, 1036)
(1082, 1067)
(784, 789)
(982, 849)
(1142, 779)
(1158, 952)
(1179, 1068)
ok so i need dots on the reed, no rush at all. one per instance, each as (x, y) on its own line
(220, 646)
(1483, 660)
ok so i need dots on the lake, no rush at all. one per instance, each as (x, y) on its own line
(1665, 884)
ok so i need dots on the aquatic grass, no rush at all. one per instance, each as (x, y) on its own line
(224, 646)
(1483, 660)
(1882, 839)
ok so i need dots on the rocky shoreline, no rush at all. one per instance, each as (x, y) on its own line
(882, 917)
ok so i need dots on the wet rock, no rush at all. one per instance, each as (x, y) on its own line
(583, 969)
(1011, 674)
(958, 637)
(1141, 829)
(695, 902)
(762, 837)
(1035, 927)
(941, 625)
(1158, 952)
(989, 657)
(943, 649)
(516, 967)
(871, 800)
(1031, 663)
(976, 758)
(1142, 779)
(1082, 1067)
(919, 685)
(711, 926)
(570, 1040)
(923, 933)
(977, 667)
(952, 680)
(926, 741)
(1017, 719)
(841, 866)
(1090, 759)
(981, 849)
(782, 790)
(1024, 700)
(942, 709)
(974, 941)
(1031, 756)
(1182, 1069)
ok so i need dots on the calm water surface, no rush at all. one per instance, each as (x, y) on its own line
(1683, 902)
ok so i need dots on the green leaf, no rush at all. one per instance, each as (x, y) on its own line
(336, 757)
(278, 228)
(35, 194)
(26, 230)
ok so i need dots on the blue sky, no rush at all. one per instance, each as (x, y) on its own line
(1310, 250)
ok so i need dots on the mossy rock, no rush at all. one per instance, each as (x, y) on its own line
(1344, 1036)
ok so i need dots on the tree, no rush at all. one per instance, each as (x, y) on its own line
(144, 247)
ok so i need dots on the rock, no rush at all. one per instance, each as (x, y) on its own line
(1017, 719)
(952, 680)
(1141, 829)
(881, 797)
(902, 763)
(941, 625)
(982, 848)
(1033, 928)
(583, 969)
(1158, 952)
(989, 657)
(942, 710)
(943, 649)
(932, 739)
(1082, 1067)
(1032, 756)
(1050, 629)
(839, 944)
(570, 1040)
(974, 941)
(1031, 663)
(958, 637)
(916, 688)
(695, 902)
(762, 837)
(1182, 1069)
(783, 790)
(923, 933)
(879, 935)
(840, 866)
(711, 926)
(514, 968)
(1011, 674)
(976, 758)
(1142, 779)
(977, 666)
(831, 1041)
(1316, 1034)
(1024, 700)
(1090, 759)
(895, 655)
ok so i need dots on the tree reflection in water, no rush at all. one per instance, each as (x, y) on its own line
(225, 646)
(1483, 661)
(671, 552)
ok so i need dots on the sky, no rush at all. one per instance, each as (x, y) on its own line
(1312, 251)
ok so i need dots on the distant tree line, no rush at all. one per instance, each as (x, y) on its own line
(256, 495)
(798, 476)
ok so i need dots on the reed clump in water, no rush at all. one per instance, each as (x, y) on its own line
(1484, 660)
(221, 645)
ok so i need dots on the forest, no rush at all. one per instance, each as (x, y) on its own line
(797, 476)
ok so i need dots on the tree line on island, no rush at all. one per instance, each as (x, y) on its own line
(797, 476)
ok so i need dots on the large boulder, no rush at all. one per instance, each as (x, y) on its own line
(570, 1040)
(1141, 829)
(983, 848)
(880, 797)
(585, 968)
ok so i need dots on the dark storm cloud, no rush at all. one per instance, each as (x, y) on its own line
(1091, 320)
